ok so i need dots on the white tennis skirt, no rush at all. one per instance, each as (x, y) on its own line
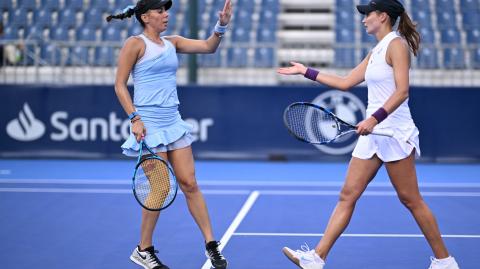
(389, 149)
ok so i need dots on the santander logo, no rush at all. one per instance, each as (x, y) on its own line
(26, 127)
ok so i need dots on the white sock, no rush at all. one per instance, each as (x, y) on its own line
(444, 260)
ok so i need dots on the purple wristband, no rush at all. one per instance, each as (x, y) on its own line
(380, 114)
(311, 74)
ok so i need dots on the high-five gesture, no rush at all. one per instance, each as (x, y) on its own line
(295, 69)
(225, 15)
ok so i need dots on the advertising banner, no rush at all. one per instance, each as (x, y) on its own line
(228, 122)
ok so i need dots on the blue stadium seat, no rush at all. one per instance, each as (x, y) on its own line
(427, 35)
(27, 4)
(344, 19)
(427, 58)
(244, 4)
(102, 5)
(422, 17)
(454, 58)
(94, 16)
(67, 17)
(50, 54)
(121, 4)
(450, 36)
(344, 57)
(266, 35)
(271, 5)
(471, 19)
(86, 33)
(268, 18)
(344, 35)
(34, 33)
(421, 4)
(6, 4)
(135, 29)
(264, 57)
(210, 60)
(43, 18)
(104, 56)
(110, 33)
(51, 4)
(78, 56)
(475, 58)
(242, 16)
(59, 33)
(76, 5)
(469, 5)
(237, 57)
(18, 17)
(446, 19)
(473, 36)
(444, 4)
(345, 4)
(10, 32)
(240, 34)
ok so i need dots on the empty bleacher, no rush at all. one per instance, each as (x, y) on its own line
(264, 34)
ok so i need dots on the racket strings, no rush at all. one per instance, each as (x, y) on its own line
(311, 124)
(155, 185)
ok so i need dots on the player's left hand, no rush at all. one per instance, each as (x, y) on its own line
(225, 15)
(365, 127)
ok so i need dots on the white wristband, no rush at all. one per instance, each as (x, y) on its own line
(220, 29)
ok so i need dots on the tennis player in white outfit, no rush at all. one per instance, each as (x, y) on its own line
(386, 72)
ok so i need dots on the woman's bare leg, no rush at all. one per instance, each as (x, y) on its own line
(404, 179)
(183, 165)
(359, 174)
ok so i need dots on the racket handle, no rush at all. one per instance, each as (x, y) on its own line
(388, 133)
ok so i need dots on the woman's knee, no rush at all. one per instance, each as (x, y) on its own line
(189, 185)
(410, 201)
(349, 195)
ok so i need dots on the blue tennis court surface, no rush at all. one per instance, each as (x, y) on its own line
(81, 214)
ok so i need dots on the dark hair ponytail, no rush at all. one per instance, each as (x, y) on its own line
(127, 13)
(408, 30)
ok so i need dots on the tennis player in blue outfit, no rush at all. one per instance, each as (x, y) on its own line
(386, 72)
(152, 61)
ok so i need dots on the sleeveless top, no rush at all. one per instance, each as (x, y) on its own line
(154, 75)
(381, 85)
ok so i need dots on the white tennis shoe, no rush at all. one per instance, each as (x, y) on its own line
(304, 258)
(448, 263)
(147, 258)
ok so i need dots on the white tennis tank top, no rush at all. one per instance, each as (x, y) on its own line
(381, 85)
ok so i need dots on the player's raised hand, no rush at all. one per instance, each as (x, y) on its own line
(225, 15)
(295, 69)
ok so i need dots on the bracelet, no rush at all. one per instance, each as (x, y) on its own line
(311, 74)
(380, 114)
(135, 119)
(132, 115)
(220, 30)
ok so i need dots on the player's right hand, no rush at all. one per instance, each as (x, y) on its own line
(295, 69)
(138, 129)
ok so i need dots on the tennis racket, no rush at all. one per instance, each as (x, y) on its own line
(317, 125)
(154, 184)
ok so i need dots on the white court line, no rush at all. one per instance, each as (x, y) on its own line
(262, 183)
(236, 222)
(237, 192)
(112, 191)
(474, 236)
(368, 193)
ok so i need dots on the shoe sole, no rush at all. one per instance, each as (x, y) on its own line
(291, 257)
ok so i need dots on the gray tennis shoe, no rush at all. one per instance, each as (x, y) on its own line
(147, 258)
